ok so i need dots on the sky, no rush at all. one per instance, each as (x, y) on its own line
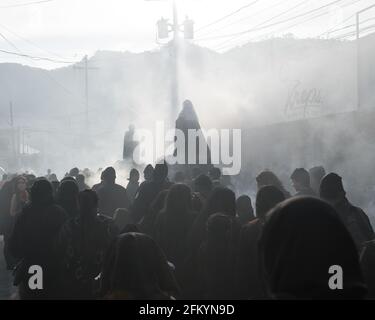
(66, 30)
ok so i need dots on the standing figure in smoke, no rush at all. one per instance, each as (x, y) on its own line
(129, 143)
(188, 120)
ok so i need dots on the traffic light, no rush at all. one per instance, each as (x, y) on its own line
(163, 31)
(188, 29)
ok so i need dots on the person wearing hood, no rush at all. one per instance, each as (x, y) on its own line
(354, 218)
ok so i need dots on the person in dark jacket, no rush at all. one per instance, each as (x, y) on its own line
(354, 218)
(82, 243)
(111, 195)
(149, 190)
(32, 241)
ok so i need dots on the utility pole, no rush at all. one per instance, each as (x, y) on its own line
(11, 122)
(164, 28)
(86, 69)
(175, 55)
(358, 54)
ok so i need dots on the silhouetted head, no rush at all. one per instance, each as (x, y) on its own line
(88, 204)
(139, 269)
(109, 175)
(221, 200)
(41, 193)
(188, 112)
(74, 172)
(267, 198)
(67, 196)
(178, 200)
(203, 184)
(300, 179)
(134, 175)
(148, 172)
(160, 172)
(332, 189)
(244, 207)
(268, 178)
(301, 241)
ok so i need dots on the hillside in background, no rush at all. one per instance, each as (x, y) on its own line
(260, 83)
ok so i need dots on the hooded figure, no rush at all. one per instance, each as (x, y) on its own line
(302, 242)
(188, 120)
(354, 218)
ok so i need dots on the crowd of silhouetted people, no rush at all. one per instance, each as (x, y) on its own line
(185, 237)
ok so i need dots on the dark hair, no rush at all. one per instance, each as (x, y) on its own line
(301, 176)
(67, 197)
(109, 175)
(221, 200)
(268, 178)
(137, 266)
(203, 182)
(178, 200)
(301, 240)
(134, 173)
(41, 193)
(160, 172)
(267, 198)
(331, 186)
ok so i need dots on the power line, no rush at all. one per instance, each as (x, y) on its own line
(255, 14)
(269, 20)
(353, 33)
(340, 23)
(304, 21)
(227, 16)
(25, 4)
(31, 42)
(35, 57)
(275, 23)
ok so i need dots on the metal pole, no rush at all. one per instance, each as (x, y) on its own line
(175, 55)
(87, 93)
(358, 63)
